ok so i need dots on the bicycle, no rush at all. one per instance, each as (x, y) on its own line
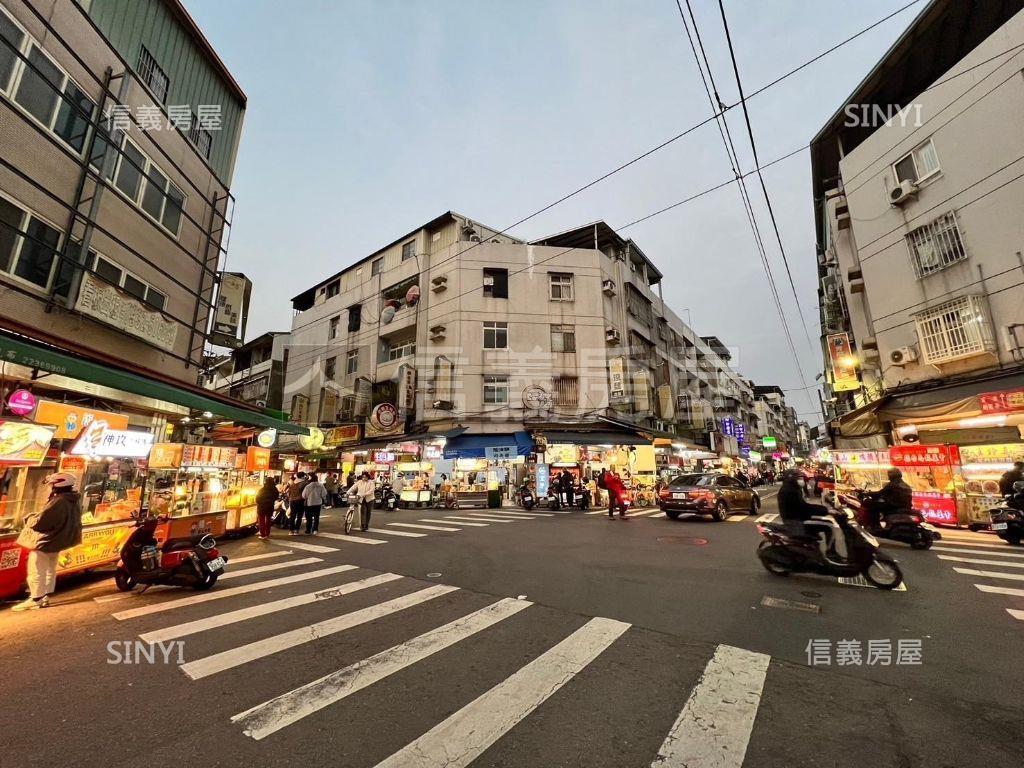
(350, 514)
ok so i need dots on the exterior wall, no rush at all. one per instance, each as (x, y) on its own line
(40, 173)
(974, 123)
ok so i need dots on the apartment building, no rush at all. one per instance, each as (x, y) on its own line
(454, 328)
(776, 420)
(919, 236)
(254, 372)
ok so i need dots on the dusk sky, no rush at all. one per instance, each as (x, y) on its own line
(367, 119)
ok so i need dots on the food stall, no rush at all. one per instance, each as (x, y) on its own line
(192, 481)
(981, 467)
(417, 480)
(243, 484)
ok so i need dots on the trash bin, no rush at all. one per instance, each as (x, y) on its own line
(494, 499)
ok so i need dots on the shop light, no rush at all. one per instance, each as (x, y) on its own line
(186, 420)
(1005, 467)
(207, 415)
(984, 421)
(847, 361)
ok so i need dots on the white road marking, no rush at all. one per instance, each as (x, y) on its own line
(465, 735)
(271, 716)
(304, 546)
(456, 521)
(126, 595)
(971, 543)
(425, 527)
(1001, 590)
(242, 614)
(737, 517)
(271, 567)
(217, 594)
(971, 538)
(860, 581)
(985, 552)
(597, 512)
(713, 728)
(243, 654)
(659, 513)
(475, 516)
(410, 534)
(1019, 615)
(990, 574)
(351, 539)
(264, 556)
(1001, 563)
(521, 515)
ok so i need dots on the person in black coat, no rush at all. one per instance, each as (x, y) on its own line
(266, 497)
(1009, 478)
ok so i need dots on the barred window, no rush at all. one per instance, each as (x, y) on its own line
(955, 329)
(153, 76)
(936, 245)
(567, 391)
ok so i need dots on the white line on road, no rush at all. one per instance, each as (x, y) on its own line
(304, 546)
(455, 521)
(1001, 590)
(474, 516)
(243, 654)
(410, 534)
(1001, 563)
(737, 517)
(713, 729)
(125, 595)
(271, 716)
(971, 543)
(351, 539)
(465, 735)
(597, 512)
(658, 513)
(424, 527)
(271, 567)
(977, 552)
(253, 611)
(1016, 614)
(990, 574)
(521, 515)
(264, 556)
(206, 597)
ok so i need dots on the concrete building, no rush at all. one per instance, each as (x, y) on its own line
(919, 227)
(775, 419)
(253, 373)
(466, 329)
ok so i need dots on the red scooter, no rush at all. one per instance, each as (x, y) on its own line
(186, 562)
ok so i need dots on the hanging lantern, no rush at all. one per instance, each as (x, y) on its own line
(412, 295)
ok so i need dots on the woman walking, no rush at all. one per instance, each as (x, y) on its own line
(265, 500)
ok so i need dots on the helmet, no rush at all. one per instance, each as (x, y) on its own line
(61, 480)
(895, 474)
(1018, 487)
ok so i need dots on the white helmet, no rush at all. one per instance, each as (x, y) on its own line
(61, 480)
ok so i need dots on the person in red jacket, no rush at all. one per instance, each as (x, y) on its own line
(616, 493)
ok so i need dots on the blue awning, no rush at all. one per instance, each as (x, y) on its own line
(474, 446)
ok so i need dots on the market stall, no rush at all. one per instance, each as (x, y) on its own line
(191, 480)
(981, 467)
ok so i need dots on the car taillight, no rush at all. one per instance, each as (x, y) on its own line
(663, 493)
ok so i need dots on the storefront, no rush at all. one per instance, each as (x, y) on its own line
(484, 469)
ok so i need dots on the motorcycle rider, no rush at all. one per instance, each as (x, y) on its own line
(894, 497)
(798, 513)
(1009, 478)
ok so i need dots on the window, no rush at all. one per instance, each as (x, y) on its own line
(936, 245)
(200, 137)
(153, 76)
(955, 329)
(332, 327)
(333, 289)
(377, 266)
(355, 317)
(27, 245)
(561, 286)
(495, 335)
(496, 283)
(351, 362)
(129, 171)
(567, 391)
(396, 350)
(495, 390)
(114, 274)
(563, 338)
(918, 165)
(330, 368)
(10, 32)
(145, 184)
(637, 305)
(408, 250)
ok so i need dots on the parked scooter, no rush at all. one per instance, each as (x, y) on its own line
(907, 527)
(783, 551)
(581, 497)
(554, 498)
(1008, 517)
(526, 498)
(387, 499)
(186, 562)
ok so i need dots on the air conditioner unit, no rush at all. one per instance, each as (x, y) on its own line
(902, 356)
(438, 332)
(902, 192)
(439, 283)
(611, 335)
(608, 287)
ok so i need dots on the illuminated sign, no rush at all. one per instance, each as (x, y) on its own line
(844, 364)
(312, 441)
(923, 455)
(383, 457)
(433, 452)
(257, 459)
(769, 442)
(209, 457)
(21, 402)
(936, 507)
(98, 440)
(728, 427)
(267, 438)
(70, 420)
(24, 443)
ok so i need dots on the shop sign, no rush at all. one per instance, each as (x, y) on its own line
(936, 507)
(543, 480)
(844, 364)
(407, 388)
(383, 457)
(101, 300)
(411, 449)
(300, 409)
(562, 453)
(500, 453)
(70, 420)
(433, 452)
(383, 420)
(923, 455)
(208, 457)
(617, 376)
(166, 455)
(328, 405)
(100, 545)
(257, 459)
(1007, 401)
(754, 456)
(73, 464)
(728, 427)
(22, 443)
(313, 441)
(99, 439)
(267, 438)
(341, 435)
(741, 432)
(769, 442)
(232, 309)
(21, 402)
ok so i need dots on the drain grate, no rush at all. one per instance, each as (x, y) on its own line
(792, 605)
(860, 581)
(694, 541)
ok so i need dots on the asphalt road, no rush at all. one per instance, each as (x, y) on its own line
(525, 640)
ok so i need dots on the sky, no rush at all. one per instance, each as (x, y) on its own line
(368, 118)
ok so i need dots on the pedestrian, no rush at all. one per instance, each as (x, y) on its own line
(616, 493)
(331, 485)
(295, 503)
(566, 485)
(314, 494)
(56, 527)
(266, 496)
(1010, 477)
(364, 491)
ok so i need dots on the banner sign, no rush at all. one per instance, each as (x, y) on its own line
(208, 457)
(257, 459)
(229, 320)
(348, 433)
(923, 455)
(617, 376)
(844, 364)
(1008, 401)
(70, 420)
(166, 455)
(98, 439)
(384, 417)
(500, 453)
(102, 301)
(22, 443)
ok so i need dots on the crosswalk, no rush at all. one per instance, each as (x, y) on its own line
(990, 562)
(258, 628)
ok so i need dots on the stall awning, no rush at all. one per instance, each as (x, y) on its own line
(475, 446)
(596, 438)
(29, 355)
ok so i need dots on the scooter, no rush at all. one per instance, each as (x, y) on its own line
(388, 499)
(186, 562)
(907, 527)
(554, 499)
(1008, 519)
(526, 498)
(582, 498)
(783, 552)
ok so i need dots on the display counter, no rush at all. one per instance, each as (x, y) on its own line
(982, 466)
(412, 497)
